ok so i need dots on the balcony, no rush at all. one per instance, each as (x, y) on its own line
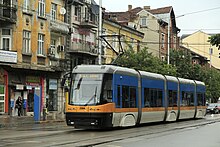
(58, 64)
(85, 48)
(8, 13)
(59, 26)
(87, 23)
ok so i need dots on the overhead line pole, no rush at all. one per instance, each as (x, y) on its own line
(100, 33)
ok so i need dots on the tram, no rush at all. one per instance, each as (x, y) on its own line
(106, 96)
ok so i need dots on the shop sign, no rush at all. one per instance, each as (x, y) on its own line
(19, 87)
(8, 56)
(2, 76)
(32, 79)
(53, 84)
(29, 87)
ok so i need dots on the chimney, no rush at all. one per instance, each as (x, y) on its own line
(129, 7)
(146, 7)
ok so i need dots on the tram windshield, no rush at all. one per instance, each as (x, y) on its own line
(85, 89)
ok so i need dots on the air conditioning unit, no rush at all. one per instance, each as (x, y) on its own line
(60, 48)
(51, 50)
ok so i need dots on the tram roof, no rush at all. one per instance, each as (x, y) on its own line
(186, 81)
(151, 75)
(200, 83)
(103, 69)
(171, 78)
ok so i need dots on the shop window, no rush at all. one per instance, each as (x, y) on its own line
(52, 96)
(2, 99)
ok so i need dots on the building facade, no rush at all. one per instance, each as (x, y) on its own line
(8, 56)
(36, 51)
(155, 24)
(117, 33)
(82, 16)
(198, 43)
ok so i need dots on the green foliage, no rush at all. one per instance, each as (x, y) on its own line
(215, 40)
(145, 61)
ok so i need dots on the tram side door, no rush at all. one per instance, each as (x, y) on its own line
(118, 103)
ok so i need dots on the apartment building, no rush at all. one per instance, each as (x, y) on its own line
(82, 16)
(33, 41)
(120, 37)
(155, 24)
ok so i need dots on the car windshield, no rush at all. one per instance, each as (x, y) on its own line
(212, 105)
(86, 89)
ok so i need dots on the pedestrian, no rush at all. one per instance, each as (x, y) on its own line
(19, 105)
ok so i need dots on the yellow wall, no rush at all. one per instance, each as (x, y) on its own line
(198, 43)
(111, 29)
(34, 27)
(152, 36)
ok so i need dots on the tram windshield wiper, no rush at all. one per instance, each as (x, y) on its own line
(93, 97)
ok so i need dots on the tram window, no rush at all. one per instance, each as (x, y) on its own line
(187, 99)
(159, 98)
(190, 99)
(146, 97)
(170, 97)
(174, 98)
(125, 96)
(132, 97)
(204, 99)
(107, 89)
(153, 97)
(118, 97)
(199, 99)
(184, 98)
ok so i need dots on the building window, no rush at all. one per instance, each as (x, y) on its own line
(144, 22)
(26, 5)
(26, 42)
(114, 40)
(174, 42)
(6, 39)
(162, 40)
(77, 13)
(40, 44)
(41, 8)
(53, 11)
(132, 43)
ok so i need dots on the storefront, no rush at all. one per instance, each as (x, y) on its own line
(3, 91)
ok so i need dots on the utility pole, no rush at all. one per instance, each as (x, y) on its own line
(100, 33)
(210, 53)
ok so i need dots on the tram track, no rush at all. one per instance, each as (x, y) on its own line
(149, 132)
(81, 138)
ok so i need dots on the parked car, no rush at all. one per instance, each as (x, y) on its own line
(218, 107)
(213, 108)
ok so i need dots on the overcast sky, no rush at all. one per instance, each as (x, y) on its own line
(198, 14)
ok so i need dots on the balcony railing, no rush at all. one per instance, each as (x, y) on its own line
(8, 13)
(84, 48)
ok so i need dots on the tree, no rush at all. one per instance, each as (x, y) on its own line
(143, 60)
(215, 40)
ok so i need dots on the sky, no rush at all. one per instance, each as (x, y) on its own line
(191, 15)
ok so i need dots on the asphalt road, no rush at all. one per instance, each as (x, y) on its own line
(187, 133)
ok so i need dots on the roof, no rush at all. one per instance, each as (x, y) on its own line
(162, 10)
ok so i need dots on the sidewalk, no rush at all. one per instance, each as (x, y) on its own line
(7, 121)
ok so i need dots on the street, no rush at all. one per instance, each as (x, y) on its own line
(190, 133)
